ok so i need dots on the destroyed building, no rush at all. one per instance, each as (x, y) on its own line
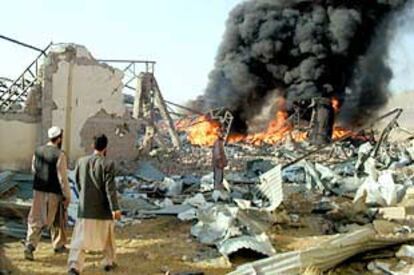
(303, 193)
(80, 94)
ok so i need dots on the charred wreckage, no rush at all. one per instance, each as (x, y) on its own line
(297, 90)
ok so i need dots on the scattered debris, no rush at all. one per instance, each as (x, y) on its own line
(406, 251)
(271, 188)
(147, 172)
(355, 189)
(326, 254)
(5, 182)
(259, 243)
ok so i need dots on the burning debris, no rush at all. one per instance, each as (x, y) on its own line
(295, 51)
(293, 96)
(203, 130)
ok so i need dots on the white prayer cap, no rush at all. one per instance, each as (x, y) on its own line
(54, 132)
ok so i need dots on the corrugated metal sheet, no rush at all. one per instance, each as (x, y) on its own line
(325, 255)
(171, 210)
(271, 187)
(259, 243)
(5, 182)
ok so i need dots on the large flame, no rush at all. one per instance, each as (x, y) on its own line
(204, 132)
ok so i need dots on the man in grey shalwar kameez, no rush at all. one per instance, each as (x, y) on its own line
(98, 208)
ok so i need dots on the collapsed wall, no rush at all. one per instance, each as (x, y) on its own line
(78, 94)
(76, 87)
(121, 132)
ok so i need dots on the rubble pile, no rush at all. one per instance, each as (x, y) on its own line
(352, 189)
(352, 196)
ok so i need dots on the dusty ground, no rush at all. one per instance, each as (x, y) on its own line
(152, 247)
(164, 244)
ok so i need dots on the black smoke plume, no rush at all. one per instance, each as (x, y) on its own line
(300, 49)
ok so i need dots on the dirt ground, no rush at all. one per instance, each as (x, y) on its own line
(156, 246)
(164, 244)
(153, 247)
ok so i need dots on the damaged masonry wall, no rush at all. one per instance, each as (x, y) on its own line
(18, 136)
(78, 90)
(78, 94)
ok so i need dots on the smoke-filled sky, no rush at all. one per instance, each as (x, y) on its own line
(182, 36)
(306, 49)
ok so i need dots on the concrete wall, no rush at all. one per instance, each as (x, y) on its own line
(18, 139)
(121, 132)
(78, 94)
(76, 87)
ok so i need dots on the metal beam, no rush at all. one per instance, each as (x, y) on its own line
(396, 111)
(184, 108)
(126, 61)
(21, 43)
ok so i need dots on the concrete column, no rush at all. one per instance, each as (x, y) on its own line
(67, 134)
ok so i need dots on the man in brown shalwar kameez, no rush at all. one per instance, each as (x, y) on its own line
(219, 161)
(98, 208)
(51, 195)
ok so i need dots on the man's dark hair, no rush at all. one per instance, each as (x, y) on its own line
(55, 138)
(100, 142)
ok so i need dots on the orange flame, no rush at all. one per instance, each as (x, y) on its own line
(204, 132)
(335, 104)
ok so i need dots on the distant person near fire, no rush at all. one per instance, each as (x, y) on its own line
(51, 195)
(98, 208)
(219, 161)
